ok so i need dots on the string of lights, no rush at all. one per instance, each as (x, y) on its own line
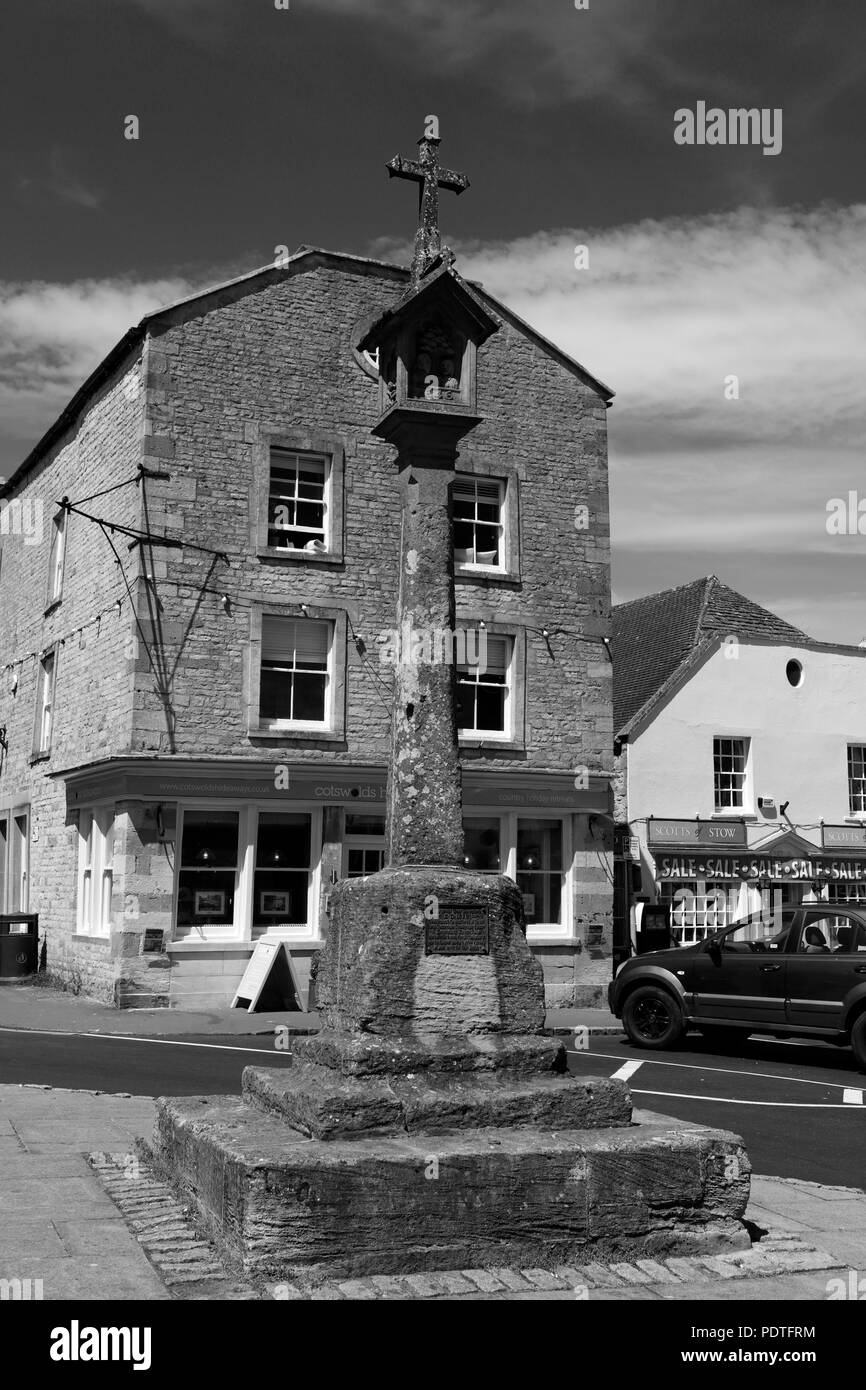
(547, 632)
(115, 607)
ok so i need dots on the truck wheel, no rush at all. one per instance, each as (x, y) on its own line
(652, 1018)
(858, 1041)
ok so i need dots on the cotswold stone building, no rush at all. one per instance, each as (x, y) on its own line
(195, 704)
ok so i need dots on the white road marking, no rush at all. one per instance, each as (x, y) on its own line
(125, 1037)
(728, 1071)
(626, 1071)
(852, 1097)
(731, 1100)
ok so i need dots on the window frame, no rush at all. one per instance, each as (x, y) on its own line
(292, 669)
(473, 467)
(41, 749)
(11, 814)
(472, 480)
(813, 915)
(689, 930)
(333, 730)
(298, 457)
(852, 810)
(513, 738)
(538, 933)
(56, 559)
(375, 843)
(93, 914)
(241, 925)
(746, 807)
(264, 439)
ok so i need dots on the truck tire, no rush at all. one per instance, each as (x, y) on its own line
(652, 1018)
(858, 1041)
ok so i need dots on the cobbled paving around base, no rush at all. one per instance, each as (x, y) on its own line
(191, 1268)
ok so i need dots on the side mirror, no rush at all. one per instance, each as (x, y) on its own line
(714, 950)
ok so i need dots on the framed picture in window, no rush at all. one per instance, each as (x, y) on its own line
(274, 904)
(210, 903)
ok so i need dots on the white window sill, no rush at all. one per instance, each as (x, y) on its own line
(309, 732)
(191, 948)
(461, 566)
(547, 936)
(315, 557)
(289, 726)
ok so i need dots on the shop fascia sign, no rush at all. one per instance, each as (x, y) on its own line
(695, 832)
(843, 836)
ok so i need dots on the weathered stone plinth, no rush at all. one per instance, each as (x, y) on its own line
(372, 1054)
(376, 977)
(281, 1204)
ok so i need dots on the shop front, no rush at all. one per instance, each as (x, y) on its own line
(192, 863)
(712, 873)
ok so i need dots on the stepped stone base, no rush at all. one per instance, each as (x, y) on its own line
(324, 1105)
(280, 1203)
(372, 1054)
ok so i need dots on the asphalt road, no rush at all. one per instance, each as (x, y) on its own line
(185, 1066)
(798, 1106)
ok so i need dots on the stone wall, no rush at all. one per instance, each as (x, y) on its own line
(281, 359)
(93, 685)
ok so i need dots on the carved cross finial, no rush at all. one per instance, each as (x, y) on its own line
(428, 174)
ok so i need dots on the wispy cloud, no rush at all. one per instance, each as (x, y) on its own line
(61, 181)
(51, 338)
(667, 312)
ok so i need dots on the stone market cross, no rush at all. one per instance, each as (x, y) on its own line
(426, 172)
(433, 1061)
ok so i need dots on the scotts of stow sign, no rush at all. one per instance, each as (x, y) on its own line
(695, 832)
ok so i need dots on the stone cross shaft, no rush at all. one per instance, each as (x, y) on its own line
(425, 802)
(426, 171)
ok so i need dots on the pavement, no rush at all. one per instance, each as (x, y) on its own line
(37, 1008)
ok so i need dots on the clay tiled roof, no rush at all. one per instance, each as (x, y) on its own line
(652, 636)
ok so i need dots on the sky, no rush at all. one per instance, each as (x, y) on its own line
(262, 126)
